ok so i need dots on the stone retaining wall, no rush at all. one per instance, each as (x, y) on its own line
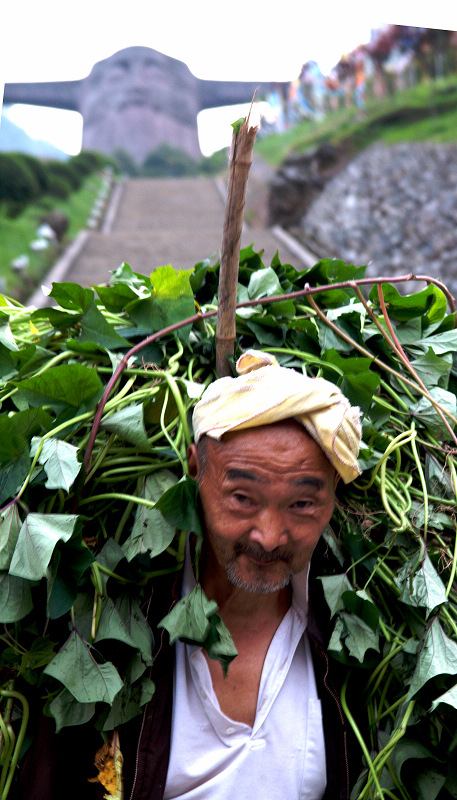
(393, 208)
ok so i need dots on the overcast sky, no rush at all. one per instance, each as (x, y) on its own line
(239, 40)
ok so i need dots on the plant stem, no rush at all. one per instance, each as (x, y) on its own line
(360, 740)
(240, 164)
(20, 737)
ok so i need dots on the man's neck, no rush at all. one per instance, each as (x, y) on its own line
(252, 620)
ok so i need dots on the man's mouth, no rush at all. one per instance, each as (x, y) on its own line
(261, 556)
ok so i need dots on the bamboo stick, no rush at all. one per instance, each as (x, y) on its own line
(240, 164)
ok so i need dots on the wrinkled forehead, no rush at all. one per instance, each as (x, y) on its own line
(125, 58)
(285, 441)
(133, 57)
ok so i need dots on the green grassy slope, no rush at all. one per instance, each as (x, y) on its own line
(427, 112)
(17, 234)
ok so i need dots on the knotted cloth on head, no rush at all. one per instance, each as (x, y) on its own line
(264, 393)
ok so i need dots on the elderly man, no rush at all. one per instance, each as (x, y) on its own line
(270, 447)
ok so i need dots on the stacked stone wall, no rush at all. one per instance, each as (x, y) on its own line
(393, 208)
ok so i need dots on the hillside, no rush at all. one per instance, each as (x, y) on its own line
(426, 112)
(377, 188)
(15, 139)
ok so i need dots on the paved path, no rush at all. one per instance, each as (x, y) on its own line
(152, 222)
(164, 221)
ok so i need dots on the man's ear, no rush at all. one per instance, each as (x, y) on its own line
(337, 477)
(192, 461)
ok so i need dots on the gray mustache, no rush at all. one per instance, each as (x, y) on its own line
(262, 555)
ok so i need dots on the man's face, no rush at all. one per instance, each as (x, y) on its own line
(267, 494)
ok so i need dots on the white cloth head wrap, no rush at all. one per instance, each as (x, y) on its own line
(265, 392)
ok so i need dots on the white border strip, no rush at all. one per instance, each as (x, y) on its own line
(113, 207)
(61, 267)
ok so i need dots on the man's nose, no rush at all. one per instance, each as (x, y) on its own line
(269, 529)
(138, 75)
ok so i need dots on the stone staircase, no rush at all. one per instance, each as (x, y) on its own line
(153, 222)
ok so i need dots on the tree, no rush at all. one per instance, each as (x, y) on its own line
(169, 161)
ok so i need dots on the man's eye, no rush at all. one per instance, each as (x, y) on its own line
(300, 504)
(242, 498)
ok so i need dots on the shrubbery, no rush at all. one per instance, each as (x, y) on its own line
(64, 170)
(25, 178)
(38, 169)
(87, 162)
(168, 161)
(217, 162)
(126, 164)
(18, 184)
(59, 187)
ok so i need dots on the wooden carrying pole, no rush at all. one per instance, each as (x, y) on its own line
(240, 163)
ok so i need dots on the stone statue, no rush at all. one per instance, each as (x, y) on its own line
(137, 99)
(140, 97)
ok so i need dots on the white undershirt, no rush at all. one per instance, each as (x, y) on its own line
(282, 757)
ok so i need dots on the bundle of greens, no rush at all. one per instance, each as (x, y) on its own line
(96, 396)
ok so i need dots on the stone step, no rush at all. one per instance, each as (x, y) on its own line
(166, 221)
(148, 204)
(145, 252)
(155, 222)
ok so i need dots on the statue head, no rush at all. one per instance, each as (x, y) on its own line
(138, 98)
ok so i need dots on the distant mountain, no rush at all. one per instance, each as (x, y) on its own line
(15, 139)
